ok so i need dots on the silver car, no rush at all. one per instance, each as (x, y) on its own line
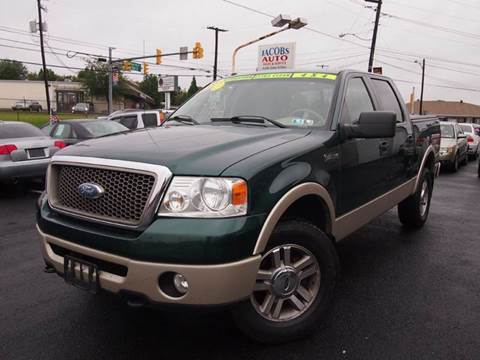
(24, 151)
(453, 145)
(473, 139)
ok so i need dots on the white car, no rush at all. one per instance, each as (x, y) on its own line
(473, 139)
(138, 119)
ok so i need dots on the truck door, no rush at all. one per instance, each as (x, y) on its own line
(362, 165)
(399, 155)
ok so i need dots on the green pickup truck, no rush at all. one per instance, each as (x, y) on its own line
(240, 197)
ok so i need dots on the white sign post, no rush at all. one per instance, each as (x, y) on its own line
(276, 56)
(167, 84)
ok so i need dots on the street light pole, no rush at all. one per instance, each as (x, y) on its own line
(375, 31)
(279, 21)
(216, 29)
(44, 65)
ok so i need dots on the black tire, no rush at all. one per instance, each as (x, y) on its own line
(478, 169)
(308, 236)
(410, 211)
(455, 164)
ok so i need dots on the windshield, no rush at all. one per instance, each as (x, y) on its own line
(19, 130)
(102, 128)
(291, 99)
(447, 131)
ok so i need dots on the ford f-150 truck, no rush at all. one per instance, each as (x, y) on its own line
(240, 197)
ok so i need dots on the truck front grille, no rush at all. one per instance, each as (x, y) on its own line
(125, 197)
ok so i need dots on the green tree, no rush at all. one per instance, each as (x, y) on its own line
(51, 76)
(179, 97)
(12, 70)
(149, 86)
(193, 87)
(95, 80)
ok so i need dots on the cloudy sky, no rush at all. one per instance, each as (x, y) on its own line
(445, 32)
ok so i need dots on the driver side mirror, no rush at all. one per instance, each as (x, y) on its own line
(371, 125)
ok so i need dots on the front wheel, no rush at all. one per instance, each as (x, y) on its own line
(413, 211)
(294, 286)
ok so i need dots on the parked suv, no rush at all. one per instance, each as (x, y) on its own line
(473, 139)
(241, 197)
(138, 119)
(453, 146)
(27, 105)
(84, 108)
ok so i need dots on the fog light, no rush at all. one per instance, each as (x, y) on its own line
(180, 283)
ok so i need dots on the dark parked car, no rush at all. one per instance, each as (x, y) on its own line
(240, 197)
(35, 106)
(74, 131)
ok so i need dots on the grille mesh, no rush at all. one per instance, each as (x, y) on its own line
(126, 193)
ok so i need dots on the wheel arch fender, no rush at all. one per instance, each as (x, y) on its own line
(427, 161)
(295, 194)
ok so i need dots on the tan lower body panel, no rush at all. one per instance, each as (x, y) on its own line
(354, 220)
(208, 284)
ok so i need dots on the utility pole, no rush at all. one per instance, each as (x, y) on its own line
(110, 80)
(45, 74)
(216, 29)
(422, 65)
(375, 31)
(423, 83)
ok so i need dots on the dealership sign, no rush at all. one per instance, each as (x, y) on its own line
(276, 56)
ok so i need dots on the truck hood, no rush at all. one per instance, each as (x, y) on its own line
(187, 150)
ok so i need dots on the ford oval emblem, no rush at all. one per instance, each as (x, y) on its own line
(90, 190)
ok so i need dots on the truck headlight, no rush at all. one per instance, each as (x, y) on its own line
(205, 197)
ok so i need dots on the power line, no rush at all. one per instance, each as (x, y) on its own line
(79, 68)
(309, 28)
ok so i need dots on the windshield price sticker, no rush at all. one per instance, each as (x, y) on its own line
(311, 75)
(217, 85)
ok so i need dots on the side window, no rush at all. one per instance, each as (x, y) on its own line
(149, 120)
(387, 96)
(357, 100)
(62, 131)
(130, 122)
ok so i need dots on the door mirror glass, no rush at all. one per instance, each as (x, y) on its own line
(374, 124)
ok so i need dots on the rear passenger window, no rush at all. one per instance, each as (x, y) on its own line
(357, 100)
(130, 122)
(388, 98)
(62, 131)
(149, 120)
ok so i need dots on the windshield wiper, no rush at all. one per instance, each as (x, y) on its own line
(253, 119)
(184, 119)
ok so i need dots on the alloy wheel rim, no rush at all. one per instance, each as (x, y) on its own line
(287, 283)
(424, 195)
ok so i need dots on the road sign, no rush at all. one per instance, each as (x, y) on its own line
(276, 56)
(183, 52)
(167, 83)
(136, 66)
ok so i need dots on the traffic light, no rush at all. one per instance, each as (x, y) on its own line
(145, 68)
(159, 56)
(127, 65)
(197, 51)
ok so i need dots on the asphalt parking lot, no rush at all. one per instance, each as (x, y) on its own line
(402, 295)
